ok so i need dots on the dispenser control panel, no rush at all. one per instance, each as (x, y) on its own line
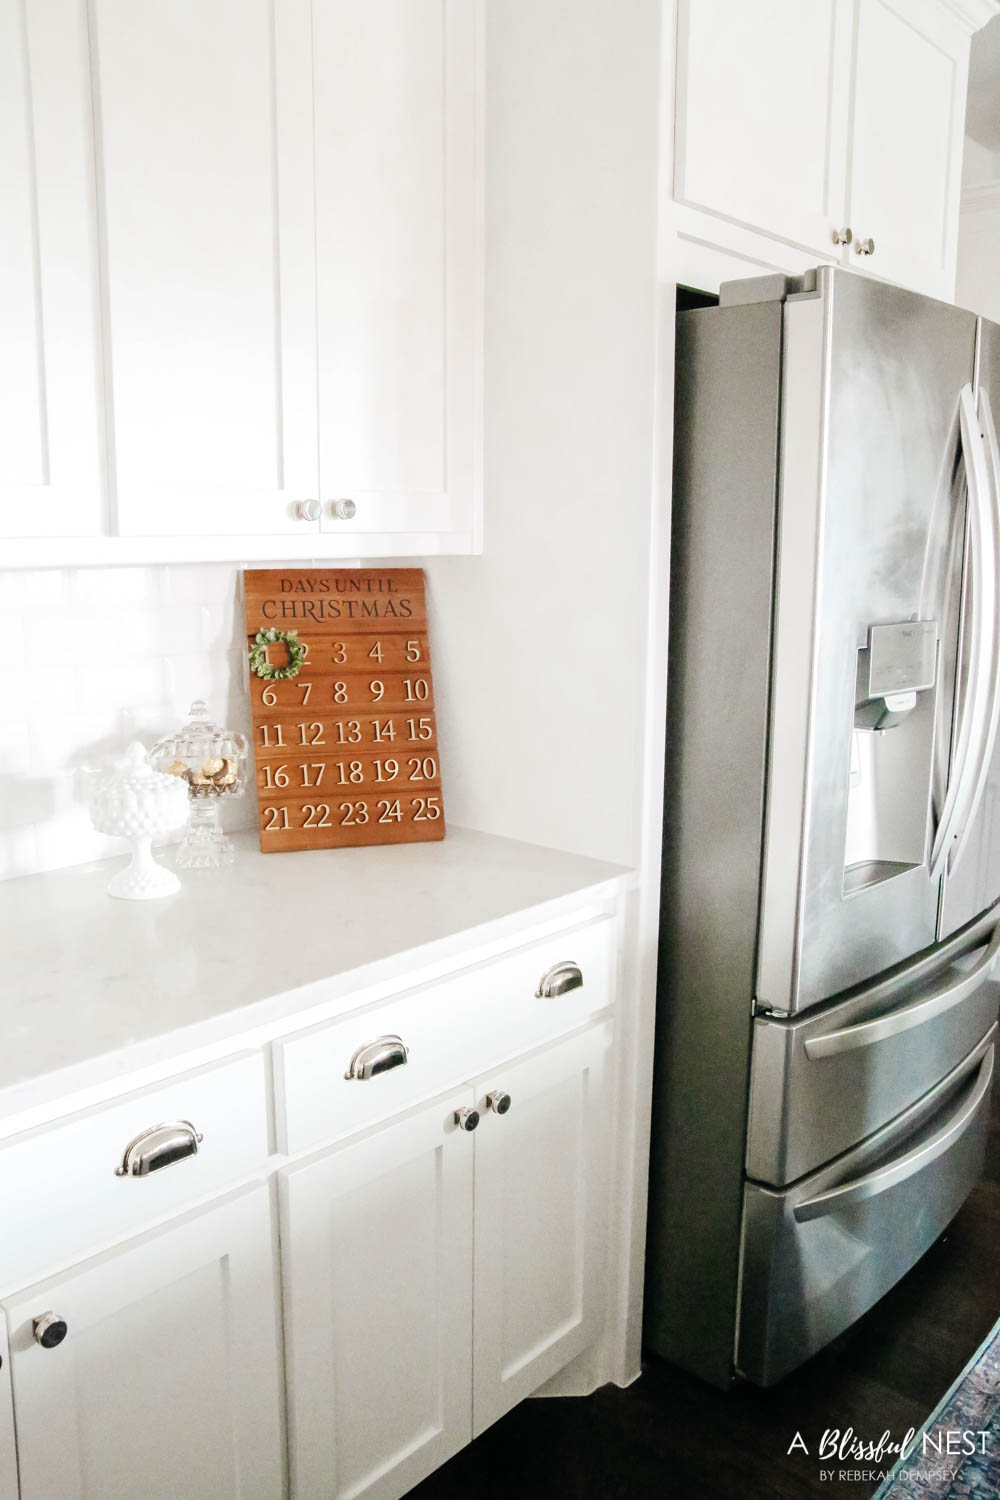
(901, 658)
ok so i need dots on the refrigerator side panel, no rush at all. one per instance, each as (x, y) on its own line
(728, 383)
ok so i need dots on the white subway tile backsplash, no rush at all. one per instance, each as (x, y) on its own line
(18, 852)
(113, 586)
(92, 659)
(34, 590)
(205, 584)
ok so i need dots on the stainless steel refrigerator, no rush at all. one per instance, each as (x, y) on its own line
(826, 1013)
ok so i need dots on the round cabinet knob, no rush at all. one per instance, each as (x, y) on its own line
(498, 1101)
(843, 236)
(49, 1329)
(343, 510)
(466, 1119)
(865, 247)
(308, 510)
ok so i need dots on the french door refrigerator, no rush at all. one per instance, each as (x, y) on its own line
(826, 1012)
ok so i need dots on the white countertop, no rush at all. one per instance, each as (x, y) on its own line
(93, 988)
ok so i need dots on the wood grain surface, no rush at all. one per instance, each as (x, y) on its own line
(346, 750)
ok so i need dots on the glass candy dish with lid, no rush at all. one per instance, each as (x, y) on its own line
(212, 762)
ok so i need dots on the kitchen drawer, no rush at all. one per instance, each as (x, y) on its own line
(62, 1197)
(820, 1253)
(826, 1080)
(452, 1030)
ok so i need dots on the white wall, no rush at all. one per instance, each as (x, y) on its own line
(93, 658)
(979, 163)
(540, 644)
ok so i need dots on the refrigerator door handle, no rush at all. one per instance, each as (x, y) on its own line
(867, 1033)
(984, 753)
(886, 1177)
(982, 664)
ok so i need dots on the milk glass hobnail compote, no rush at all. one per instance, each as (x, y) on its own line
(212, 762)
(133, 801)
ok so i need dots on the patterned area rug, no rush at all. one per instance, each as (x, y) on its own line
(956, 1454)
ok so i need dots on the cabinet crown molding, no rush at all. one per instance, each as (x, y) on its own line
(974, 14)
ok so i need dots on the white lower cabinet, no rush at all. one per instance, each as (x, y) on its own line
(166, 1380)
(377, 1251)
(443, 1249)
(540, 1220)
(434, 1276)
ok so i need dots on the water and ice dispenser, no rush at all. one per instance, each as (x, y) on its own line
(892, 748)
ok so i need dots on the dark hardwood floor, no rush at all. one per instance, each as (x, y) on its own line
(669, 1435)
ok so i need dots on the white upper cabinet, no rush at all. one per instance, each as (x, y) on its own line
(396, 261)
(204, 125)
(290, 240)
(834, 126)
(249, 231)
(910, 76)
(762, 112)
(50, 428)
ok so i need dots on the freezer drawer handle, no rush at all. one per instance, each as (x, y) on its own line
(866, 1033)
(558, 980)
(159, 1147)
(851, 1193)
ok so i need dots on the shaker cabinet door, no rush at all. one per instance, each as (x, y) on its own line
(397, 254)
(50, 427)
(203, 114)
(8, 1447)
(540, 1219)
(761, 118)
(377, 1251)
(906, 143)
(159, 1373)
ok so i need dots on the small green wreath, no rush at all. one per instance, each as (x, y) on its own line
(258, 654)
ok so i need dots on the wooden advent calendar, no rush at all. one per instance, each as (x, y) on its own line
(346, 748)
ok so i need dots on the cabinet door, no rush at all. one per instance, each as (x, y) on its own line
(906, 142)
(8, 1451)
(167, 1381)
(203, 112)
(397, 255)
(50, 431)
(761, 121)
(377, 1246)
(540, 1220)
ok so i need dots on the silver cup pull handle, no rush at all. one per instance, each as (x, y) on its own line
(558, 980)
(158, 1147)
(377, 1057)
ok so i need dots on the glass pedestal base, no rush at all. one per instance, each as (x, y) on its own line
(205, 846)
